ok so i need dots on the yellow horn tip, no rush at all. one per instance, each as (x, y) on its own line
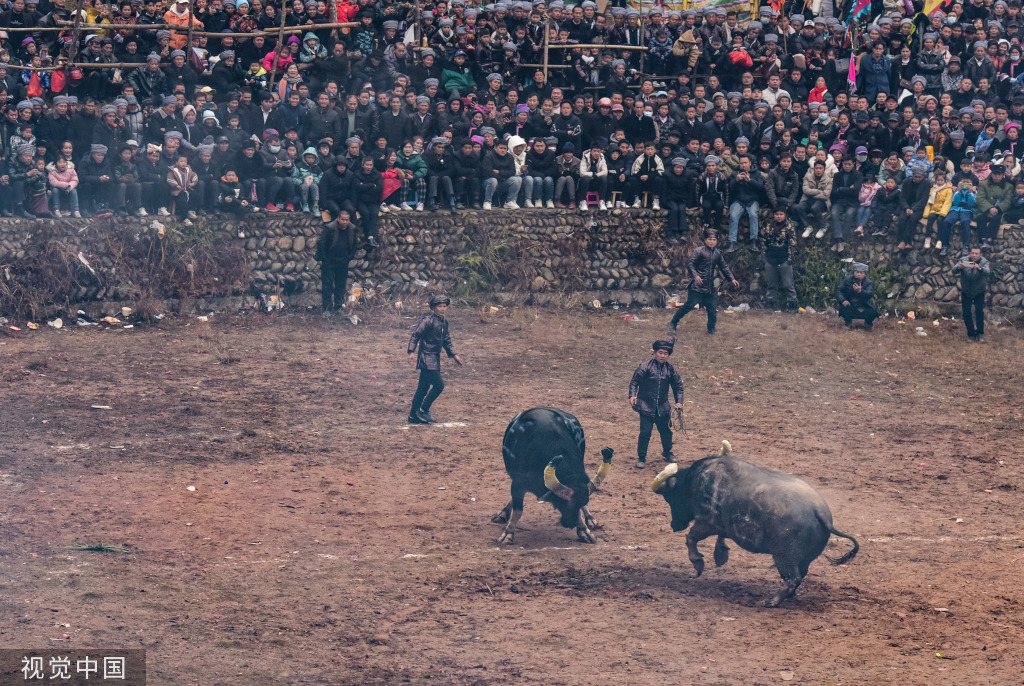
(726, 448)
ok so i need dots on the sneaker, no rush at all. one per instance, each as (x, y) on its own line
(669, 457)
(56, 213)
(192, 214)
(560, 205)
(980, 338)
(76, 214)
(305, 207)
(271, 207)
(807, 232)
(572, 206)
(419, 207)
(426, 416)
(487, 205)
(859, 230)
(550, 204)
(583, 205)
(511, 205)
(820, 233)
(944, 252)
(938, 245)
(163, 212)
(187, 222)
(927, 243)
(142, 212)
(405, 207)
(636, 204)
(840, 247)
(641, 463)
(372, 240)
(656, 206)
(415, 419)
(529, 204)
(384, 208)
(316, 210)
(602, 206)
(878, 233)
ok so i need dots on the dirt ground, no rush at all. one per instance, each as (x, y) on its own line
(327, 542)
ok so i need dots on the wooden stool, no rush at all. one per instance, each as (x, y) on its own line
(615, 197)
(645, 202)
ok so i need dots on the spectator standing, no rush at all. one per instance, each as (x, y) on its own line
(779, 243)
(334, 250)
(702, 263)
(974, 271)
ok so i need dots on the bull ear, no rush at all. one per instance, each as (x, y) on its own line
(552, 483)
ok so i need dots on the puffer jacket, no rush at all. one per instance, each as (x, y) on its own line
(818, 189)
(994, 195)
(650, 385)
(413, 163)
(431, 335)
(782, 187)
(972, 281)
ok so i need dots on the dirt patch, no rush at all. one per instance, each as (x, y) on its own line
(327, 542)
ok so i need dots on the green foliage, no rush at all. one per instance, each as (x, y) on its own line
(480, 269)
(816, 272)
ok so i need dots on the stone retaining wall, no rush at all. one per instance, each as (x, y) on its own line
(613, 256)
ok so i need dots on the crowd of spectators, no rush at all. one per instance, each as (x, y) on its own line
(700, 110)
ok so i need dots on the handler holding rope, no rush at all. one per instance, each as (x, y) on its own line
(648, 395)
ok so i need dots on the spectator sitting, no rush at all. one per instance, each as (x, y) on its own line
(854, 294)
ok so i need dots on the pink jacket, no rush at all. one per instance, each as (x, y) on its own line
(64, 180)
(867, 193)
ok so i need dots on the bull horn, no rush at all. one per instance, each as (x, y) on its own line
(602, 471)
(726, 448)
(666, 474)
(552, 483)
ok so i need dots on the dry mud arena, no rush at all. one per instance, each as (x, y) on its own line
(327, 542)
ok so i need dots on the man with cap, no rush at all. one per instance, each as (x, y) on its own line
(164, 120)
(440, 168)
(149, 81)
(914, 194)
(101, 191)
(424, 350)
(701, 265)
(649, 397)
(854, 296)
(994, 195)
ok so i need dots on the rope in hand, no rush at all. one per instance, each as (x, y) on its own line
(678, 415)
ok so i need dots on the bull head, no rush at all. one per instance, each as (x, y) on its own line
(667, 473)
(552, 483)
(602, 471)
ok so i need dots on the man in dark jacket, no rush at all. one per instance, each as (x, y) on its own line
(368, 192)
(702, 264)
(322, 121)
(440, 167)
(845, 200)
(430, 337)
(100, 188)
(779, 241)
(466, 176)
(854, 295)
(334, 250)
(745, 189)
(500, 178)
(336, 189)
(783, 188)
(649, 396)
(678, 196)
(395, 125)
(974, 273)
(914, 194)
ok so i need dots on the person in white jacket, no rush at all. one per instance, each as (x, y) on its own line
(517, 151)
(593, 177)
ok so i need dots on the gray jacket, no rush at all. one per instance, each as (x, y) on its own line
(973, 281)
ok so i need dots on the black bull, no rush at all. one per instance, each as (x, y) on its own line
(543, 451)
(763, 510)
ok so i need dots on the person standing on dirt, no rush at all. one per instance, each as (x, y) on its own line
(648, 395)
(334, 250)
(430, 336)
(701, 265)
(974, 273)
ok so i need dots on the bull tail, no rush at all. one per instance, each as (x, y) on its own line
(848, 556)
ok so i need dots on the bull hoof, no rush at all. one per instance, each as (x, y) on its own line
(500, 518)
(698, 565)
(592, 523)
(773, 602)
(585, 536)
(721, 555)
(507, 538)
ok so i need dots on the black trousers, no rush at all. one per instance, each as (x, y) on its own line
(866, 312)
(975, 324)
(430, 386)
(333, 279)
(647, 425)
(713, 207)
(708, 300)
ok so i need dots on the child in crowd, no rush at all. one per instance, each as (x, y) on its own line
(182, 180)
(884, 206)
(306, 175)
(64, 185)
(965, 199)
(940, 199)
(868, 189)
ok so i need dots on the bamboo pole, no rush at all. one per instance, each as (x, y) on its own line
(277, 48)
(210, 34)
(191, 27)
(75, 30)
(547, 45)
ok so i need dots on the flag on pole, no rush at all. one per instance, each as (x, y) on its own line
(931, 5)
(860, 7)
(851, 78)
